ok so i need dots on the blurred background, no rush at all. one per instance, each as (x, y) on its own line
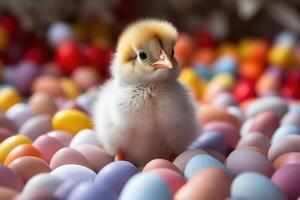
(243, 39)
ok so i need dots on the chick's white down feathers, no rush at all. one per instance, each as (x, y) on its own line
(145, 118)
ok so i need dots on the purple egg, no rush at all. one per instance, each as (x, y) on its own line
(63, 191)
(115, 175)
(24, 75)
(91, 191)
(210, 140)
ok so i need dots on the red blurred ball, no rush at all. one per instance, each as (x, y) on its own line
(68, 56)
(291, 90)
(244, 90)
(205, 39)
(93, 56)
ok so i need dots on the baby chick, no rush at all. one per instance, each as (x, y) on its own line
(143, 112)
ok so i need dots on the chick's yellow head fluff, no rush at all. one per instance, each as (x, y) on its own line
(142, 31)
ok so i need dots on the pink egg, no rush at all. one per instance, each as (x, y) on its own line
(266, 123)
(47, 146)
(289, 143)
(160, 163)
(7, 193)
(230, 132)
(62, 136)
(66, 156)
(10, 179)
(96, 156)
(173, 179)
(287, 178)
(255, 139)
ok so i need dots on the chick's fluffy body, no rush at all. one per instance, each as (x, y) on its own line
(144, 120)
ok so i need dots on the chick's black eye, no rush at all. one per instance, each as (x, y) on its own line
(143, 55)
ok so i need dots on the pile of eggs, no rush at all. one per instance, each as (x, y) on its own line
(247, 94)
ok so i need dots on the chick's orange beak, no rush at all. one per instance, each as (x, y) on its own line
(163, 62)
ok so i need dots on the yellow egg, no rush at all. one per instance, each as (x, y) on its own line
(8, 144)
(69, 88)
(3, 38)
(9, 97)
(71, 121)
(189, 77)
(226, 80)
(281, 56)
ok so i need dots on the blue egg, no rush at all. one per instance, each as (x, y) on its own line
(65, 189)
(252, 185)
(199, 162)
(211, 140)
(283, 131)
(203, 71)
(91, 191)
(146, 186)
(225, 64)
(115, 175)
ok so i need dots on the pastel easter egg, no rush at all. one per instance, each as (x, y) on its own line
(252, 185)
(85, 136)
(8, 144)
(9, 97)
(173, 180)
(146, 186)
(71, 121)
(20, 151)
(48, 146)
(97, 157)
(265, 122)
(28, 166)
(283, 131)
(66, 156)
(210, 183)
(287, 178)
(115, 175)
(290, 143)
(36, 126)
(7, 193)
(255, 139)
(200, 162)
(9, 179)
(182, 159)
(48, 84)
(42, 103)
(19, 113)
(64, 189)
(287, 158)
(91, 191)
(58, 33)
(85, 77)
(244, 160)
(62, 136)
(210, 140)
(230, 132)
(291, 118)
(276, 105)
(160, 163)
(225, 64)
(44, 181)
(211, 113)
(224, 99)
(74, 172)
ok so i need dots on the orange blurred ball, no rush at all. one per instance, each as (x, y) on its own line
(251, 69)
(20, 151)
(48, 84)
(184, 49)
(267, 84)
(205, 56)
